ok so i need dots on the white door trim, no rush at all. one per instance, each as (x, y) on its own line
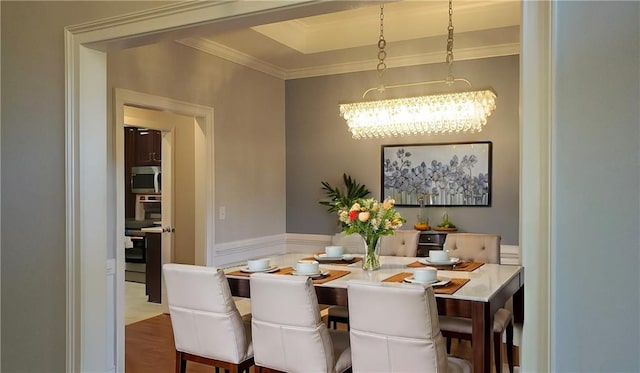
(536, 220)
(204, 229)
(87, 166)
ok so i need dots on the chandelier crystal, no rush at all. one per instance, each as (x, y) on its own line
(434, 114)
(453, 112)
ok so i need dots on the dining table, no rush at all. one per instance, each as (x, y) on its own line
(473, 290)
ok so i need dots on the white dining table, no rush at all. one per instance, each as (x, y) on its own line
(489, 287)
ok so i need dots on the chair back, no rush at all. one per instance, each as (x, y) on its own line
(352, 243)
(288, 333)
(475, 247)
(401, 243)
(204, 317)
(394, 328)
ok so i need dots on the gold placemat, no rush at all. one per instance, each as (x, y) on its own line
(461, 266)
(333, 274)
(335, 262)
(450, 288)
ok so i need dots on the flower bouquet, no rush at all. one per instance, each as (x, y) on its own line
(371, 220)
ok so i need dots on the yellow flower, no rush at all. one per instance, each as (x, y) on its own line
(388, 204)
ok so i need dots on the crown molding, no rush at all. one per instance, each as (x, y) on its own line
(230, 54)
(233, 55)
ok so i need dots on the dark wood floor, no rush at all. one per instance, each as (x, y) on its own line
(149, 347)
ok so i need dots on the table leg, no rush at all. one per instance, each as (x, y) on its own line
(481, 336)
(518, 305)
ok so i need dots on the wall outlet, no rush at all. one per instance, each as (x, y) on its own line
(223, 213)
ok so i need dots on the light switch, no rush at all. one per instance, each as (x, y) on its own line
(223, 213)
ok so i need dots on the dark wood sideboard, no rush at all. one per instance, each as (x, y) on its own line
(430, 240)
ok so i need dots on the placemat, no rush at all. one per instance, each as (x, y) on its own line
(461, 266)
(450, 288)
(336, 262)
(280, 271)
(333, 274)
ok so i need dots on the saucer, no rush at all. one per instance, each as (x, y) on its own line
(324, 258)
(273, 268)
(427, 261)
(439, 282)
(312, 275)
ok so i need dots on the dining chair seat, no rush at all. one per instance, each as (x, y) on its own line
(482, 248)
(207, 326)
(410, 341)
(288, 332)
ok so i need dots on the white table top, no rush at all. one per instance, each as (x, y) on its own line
(485, 281)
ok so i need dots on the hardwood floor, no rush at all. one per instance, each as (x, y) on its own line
(149, 347)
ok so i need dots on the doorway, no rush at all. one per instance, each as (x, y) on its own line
(187, 158)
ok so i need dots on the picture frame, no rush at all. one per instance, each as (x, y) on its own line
(443, 174)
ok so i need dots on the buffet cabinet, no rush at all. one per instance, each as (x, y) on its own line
(430, 240)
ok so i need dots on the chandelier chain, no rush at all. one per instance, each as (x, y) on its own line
(382, 43)
(450, 43)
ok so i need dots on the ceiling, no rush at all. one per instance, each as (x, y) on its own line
(346, 41)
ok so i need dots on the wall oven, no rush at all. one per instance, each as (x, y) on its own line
(146, 179)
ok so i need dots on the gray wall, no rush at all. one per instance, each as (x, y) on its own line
(596, 248)
(33, 177)
(320, 148)
(248, 128)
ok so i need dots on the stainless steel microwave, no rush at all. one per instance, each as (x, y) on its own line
(146, 179)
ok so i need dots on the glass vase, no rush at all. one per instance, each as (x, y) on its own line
(371, 259)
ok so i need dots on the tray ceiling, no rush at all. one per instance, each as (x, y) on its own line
(346, 41)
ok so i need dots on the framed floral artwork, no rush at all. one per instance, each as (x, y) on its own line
(451, 174)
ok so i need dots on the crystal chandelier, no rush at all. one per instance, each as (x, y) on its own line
(433, 114)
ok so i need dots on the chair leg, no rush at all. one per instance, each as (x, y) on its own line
(448, 346)
(497, 351)
(181, 363)
(510, 346)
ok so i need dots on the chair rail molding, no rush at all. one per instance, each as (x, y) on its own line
(232, 253)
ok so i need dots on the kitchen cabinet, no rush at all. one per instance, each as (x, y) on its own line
(430, 240)
(148, 147)
(154, 267)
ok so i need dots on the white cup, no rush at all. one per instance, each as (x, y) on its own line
(307, 267)
(334, 251)
(425, 275)
(438, 256)
(258, 264)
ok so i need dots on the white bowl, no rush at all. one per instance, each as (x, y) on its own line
(258, 264)
(425, 275)
(334, 251)
(438, 256)
(307, 267)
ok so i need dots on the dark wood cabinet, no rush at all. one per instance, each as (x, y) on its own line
(430, 240)
(148, 147)
(153, 271)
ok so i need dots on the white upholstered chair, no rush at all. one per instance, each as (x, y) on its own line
(481, 248)
(207, 327)
(288, 333)
(394, 328)
(402, 243)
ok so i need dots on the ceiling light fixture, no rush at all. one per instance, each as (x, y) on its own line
(451, 112)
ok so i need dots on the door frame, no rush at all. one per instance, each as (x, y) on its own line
(87, 168)
(204, 228)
